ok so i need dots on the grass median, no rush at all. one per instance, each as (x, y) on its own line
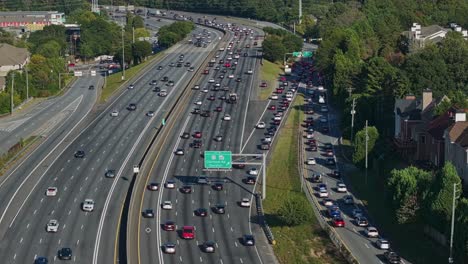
(306, 243)
(114, 81)
(269, 72)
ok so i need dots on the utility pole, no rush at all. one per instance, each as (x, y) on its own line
(123, 55)
(300, 11)
(294, 28)
(264, 176)
(367, 146)
(450, 260)
(133, 34)
(27, 82)
(353, 112)
(12, 89)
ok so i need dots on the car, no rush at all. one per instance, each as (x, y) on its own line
(250, 180)
(211, 97)
(323, 193)
(114, 113)
(356, 213)
(330, 161)
(245, 202)
(217, 85)
(197, 143)
(79, 154)
(186, 189)
(52, 226)
(336, 174)
(333, 211)
(253, 172)
(88, 205)
(348, 199)
(219, 208)
(204, 90)
(65, 254)
(249, 71)
(160, 67)
(341, 187)
(132, 107)
(185, 135)
(110, 174)
(156, 89)
(310, 135)
(218, 186)
(338, 222)
(188, 232)
(329, 153)
(179, 152)
(328, 202)
(323, 119)
(162, 93)
(201, 212)
(311, 161)
(316, 177)
(324, 109)
(272, 107)
(209, 247)
(170, 83)
(169, 226)
(277, 118)
(263, 84)
(196, 87)
(248, 240)
(211, 80)
(153, 186)
(41, 260)
(322, 186)
(91, 87)
(148, 213)
(231, 76)
(167, 205)
(361, 221)
(312, 148)
(131, 86)
(382, 244)
(153, 82)
(202, 180)
(227, 117)
(239, 80)
(371, 231)
(169, 248)
(261, 125)
(197, 134)
(165, 79)
(51, 191)
(170, 184)
(392, 257)
(218, 138)
(198, 102)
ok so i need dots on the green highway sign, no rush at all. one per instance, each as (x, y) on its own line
(307, 54)
(218, 159)
(297, 54)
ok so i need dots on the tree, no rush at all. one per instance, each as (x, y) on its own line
(141, 49)
(49, 49)
(461, 232)
(295, 210)
(273, 48)
(138, 22)
(360, 144)
(141, 33)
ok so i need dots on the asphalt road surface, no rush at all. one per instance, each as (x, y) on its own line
(109, 143)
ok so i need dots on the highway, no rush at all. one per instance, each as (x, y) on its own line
(109, 143)
(363, 248)
(224, 229)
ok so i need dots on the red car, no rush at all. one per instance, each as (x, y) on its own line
(169, 226)
(206, 72)
(263, 84)
(272, 107)
(279, 90)
(338, 222)
(330, 153)
(197, 134)
(219, 109)
(188, 232)
(282, 78)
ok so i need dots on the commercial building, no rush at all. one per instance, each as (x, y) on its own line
(31, 20)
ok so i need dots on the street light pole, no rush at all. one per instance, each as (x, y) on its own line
(123, 55)
(264, 177)
(12, 89)
(353, 112)
(27, 82)
(450, 260)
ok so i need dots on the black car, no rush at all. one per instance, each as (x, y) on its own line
(160, 67)
(186, 189)
(196, 111)
(41, 260)
(153, 82)
(219, 209)
(336, 174)
(91, 87)
(206, 113)
(80, 154)
(330, 161)
(165, 79)
(65, 254)
(218, 186)
(179, 65)
(392, 257)
(238, 80)
(185, 135)
(170, 83)
(187, 64)
(250, 180)
(201, 212)
(209, 247)
(156, 89)
(110, 174)
(148, 213)
(248, 240)
(131, 107)
(196, 143)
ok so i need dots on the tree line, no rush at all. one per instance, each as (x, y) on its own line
(277, 42)
(168, 35)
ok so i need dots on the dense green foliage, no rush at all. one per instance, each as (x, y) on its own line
(295, 210)
(278, 42)
(359, 154)
(175, 32)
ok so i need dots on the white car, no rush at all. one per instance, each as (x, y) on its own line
(198, 102)
(267, 139)
(167, 205)
(179, 152)
(204, 90)
(328, 202)
(227, 117)
(52, 226)
(170, 184)
(323, 193)
(51, 191)
(217, 84)
(341, 187)
(274, 97)
(236, 56)
(277, 118)
(245, 202)
(320, 88)
(310, 135)
(382, 244)
(250, 71)
(253, 172)
(311, 161)
(196, 87)
(371, 232)
(163, 93)
(261, 125)
(88, 205)
(211, 80)
(231, 76)
(114, 113)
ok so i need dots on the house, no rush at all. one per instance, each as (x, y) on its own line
(11, 58)
(419, 37)
(456, 145)
(435, 136)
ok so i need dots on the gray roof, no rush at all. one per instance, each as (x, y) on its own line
(11, 55)
(28, 13)
(430, 30)
(408, 109)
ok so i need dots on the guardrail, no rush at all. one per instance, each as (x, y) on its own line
(261, 219)
(331, 232)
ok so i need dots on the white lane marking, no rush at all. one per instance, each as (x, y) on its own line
(367, 246)
(235, 243)
(246, 110)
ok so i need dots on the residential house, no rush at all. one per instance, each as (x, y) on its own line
(435, 136)
(456, 145)
(419, 37)
(11, 58)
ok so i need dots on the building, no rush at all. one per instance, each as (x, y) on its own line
(31, 20)
(419, 37)
(11, 58)
(456, 145)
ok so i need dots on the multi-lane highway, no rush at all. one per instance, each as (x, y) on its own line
(109, 142)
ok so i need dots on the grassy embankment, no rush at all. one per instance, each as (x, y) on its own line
(13, 151)
(306, 243)
(269, 72)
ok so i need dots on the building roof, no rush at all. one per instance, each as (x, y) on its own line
(437, 126)
(458, 133)
(28, 13)
(2, 83)
(11, 55)
(431, 30)
(408, 109)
